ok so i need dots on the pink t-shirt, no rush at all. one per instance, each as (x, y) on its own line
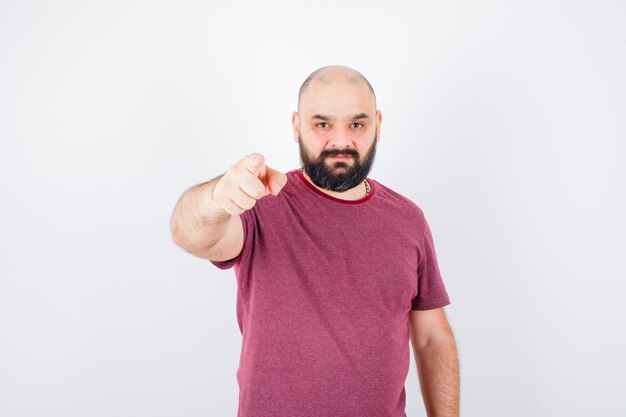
(324, 289)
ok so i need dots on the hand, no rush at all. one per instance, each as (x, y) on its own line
(248, 180)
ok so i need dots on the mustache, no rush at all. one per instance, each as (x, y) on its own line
(338, 152)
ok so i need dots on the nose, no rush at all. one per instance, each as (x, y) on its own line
(340, 138)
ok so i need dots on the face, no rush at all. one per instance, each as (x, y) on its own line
(337, 129)
(337, 174)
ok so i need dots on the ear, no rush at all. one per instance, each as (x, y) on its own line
(295, 121)
(379, 120)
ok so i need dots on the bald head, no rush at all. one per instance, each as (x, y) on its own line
(334, 74)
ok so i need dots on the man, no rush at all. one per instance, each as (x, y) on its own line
(335, 271)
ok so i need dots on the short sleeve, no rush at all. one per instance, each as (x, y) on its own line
(248, 223)
(431, 291)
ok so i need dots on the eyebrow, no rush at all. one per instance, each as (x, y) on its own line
(355, 117)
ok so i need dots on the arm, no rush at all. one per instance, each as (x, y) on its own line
(206, 218)
(436, 359)
(201, 227)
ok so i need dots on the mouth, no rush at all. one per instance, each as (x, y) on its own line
(341, 157)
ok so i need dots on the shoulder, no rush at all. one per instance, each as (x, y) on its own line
(398, 202)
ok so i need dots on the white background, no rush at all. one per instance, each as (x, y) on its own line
(504, 121)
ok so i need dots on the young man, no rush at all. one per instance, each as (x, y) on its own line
(336, 272)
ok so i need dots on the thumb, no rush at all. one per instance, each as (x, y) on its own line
(255, 163)
(276, 180)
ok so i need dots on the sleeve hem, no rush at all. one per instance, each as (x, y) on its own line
(429, 305)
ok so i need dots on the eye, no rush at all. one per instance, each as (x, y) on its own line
(357, 123)
(322, 123)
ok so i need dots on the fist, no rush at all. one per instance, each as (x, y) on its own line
(246, 181)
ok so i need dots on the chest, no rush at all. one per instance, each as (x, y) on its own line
(342, 259)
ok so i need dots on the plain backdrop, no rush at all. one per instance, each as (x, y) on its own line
(504, 121)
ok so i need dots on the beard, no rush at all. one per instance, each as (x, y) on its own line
(339, 176)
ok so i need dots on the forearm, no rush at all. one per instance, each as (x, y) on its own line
(438, 370)
(197, 223)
